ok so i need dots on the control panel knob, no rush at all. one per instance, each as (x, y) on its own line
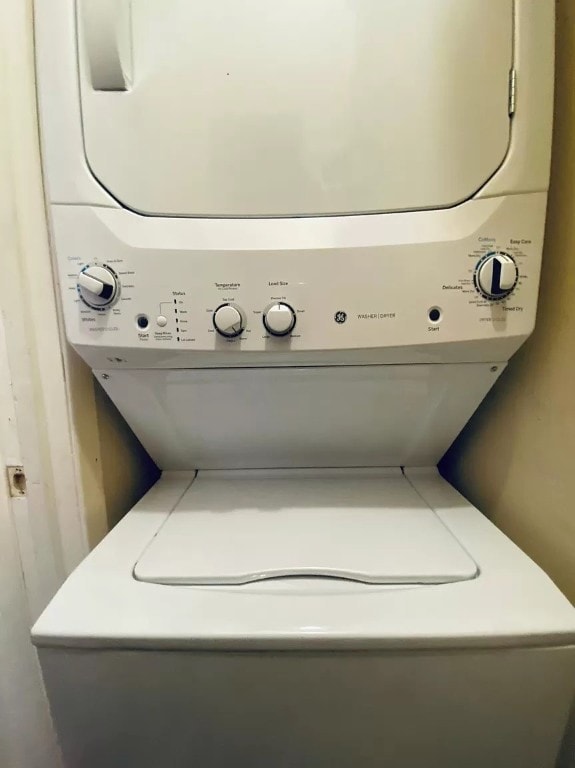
(229, 321)
(98, 286)
(279, 319)
(496, 275)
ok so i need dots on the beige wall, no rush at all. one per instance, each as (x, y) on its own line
(516, 458)
(115, 469)
(127, 470)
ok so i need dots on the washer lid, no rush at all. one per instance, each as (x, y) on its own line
(238, 527)
(306, 107)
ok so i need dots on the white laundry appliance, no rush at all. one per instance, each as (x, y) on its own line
(297, 242)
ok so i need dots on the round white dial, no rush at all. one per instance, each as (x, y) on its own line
(98, 286)
(279, 319)
(496, 275)
(229, 320)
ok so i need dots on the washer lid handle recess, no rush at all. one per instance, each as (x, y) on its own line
(107, 27)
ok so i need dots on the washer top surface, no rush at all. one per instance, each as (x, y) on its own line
(264, 108)
(235, 528)
(510, 603)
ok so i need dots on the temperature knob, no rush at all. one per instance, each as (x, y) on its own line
(98, 286)
(279, 319)
(229, 321)
(496, 275)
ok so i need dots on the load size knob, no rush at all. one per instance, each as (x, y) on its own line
(229, 321)
(279, 319)
(496, 276)
(98, 286)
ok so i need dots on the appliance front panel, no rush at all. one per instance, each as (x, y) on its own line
(476, 708)
(259, 108)
(328, 416)
(397, 281)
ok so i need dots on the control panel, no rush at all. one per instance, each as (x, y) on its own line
(279, 287)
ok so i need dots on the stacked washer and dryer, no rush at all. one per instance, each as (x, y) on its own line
(298, 242)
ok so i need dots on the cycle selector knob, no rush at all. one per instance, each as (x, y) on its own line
(229, 321)
(496, 275)
(98, 286)
(279, 319)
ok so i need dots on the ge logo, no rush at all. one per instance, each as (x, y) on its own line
(340, 317)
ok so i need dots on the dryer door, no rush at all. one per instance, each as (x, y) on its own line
(300, 107)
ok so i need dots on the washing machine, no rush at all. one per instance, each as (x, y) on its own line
(297, 242)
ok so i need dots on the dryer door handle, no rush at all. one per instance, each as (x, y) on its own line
(107, 29)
